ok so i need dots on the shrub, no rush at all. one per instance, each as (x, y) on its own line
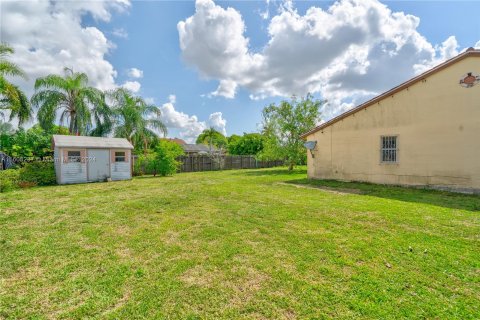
(143, 164)
(165, 162)
(26, 184)
(30, 175)
(39, 173)
(138, 167)
(162, 161)
(9, 179)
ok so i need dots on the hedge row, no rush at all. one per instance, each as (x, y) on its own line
(30, 175)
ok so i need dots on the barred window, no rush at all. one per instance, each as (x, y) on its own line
(120, 156)
(73, 156)
(389, 151)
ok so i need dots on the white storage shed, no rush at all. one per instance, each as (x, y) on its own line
(80, 159)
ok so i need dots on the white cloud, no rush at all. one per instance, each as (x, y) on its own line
(286, 5)
(216, 121)
(189, 126)
(477, 45)
(226, 88)
(350, 52)
(149, 100)
(48, 36)
(135, 73)
(120, 33)
(449, 48)
(212, 40)
(265, 14)
(133, 86)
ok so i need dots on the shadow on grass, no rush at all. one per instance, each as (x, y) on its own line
(407, 194)
(279, 171)
(151, 176)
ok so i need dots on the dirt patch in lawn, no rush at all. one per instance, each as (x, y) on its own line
(199, 276)
(340, 191)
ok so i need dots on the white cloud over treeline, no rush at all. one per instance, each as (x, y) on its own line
(189, 126)
(349, 52)
(48, 36)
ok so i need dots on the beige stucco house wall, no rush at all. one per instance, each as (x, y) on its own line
(437, 124)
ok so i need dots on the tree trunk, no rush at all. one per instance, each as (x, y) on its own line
(145, 146)
(290, 166)
(70, 127)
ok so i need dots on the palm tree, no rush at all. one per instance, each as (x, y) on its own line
(212, 137)
(103, 118)
(11, 97)
(77, 101)
(135, 120)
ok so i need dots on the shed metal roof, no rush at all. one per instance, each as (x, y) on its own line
(90, 142)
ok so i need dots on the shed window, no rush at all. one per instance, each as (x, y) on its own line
(73, 156)
(119, 156)
(389, 151)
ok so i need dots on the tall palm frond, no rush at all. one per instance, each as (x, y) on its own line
(11, 97)
(79, 105)
(212, 138)
(136, 120)
(158, 125)
(102, 118)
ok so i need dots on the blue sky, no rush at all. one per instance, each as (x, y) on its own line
(144, 35)
(166, 73)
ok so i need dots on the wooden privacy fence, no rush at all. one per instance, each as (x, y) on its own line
(194, 163)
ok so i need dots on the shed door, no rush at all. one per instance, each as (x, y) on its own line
(98, 163)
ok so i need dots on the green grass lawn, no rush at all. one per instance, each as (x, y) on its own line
(261, 244)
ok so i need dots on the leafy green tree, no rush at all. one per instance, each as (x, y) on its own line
(212, 137)
(78, 103)
(233, 139)
(11, 97)
(283, 124)
(6, 128)
(162, 161)
(136, 120)
(248, 144)
(232, 143)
